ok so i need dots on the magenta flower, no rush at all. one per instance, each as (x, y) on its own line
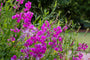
(47, 24)
(15, 30)
(60, 39)
(28, 43)
(21, 1)
(55, 59)
(14, 7)
(14, 57)
(82, 46)
(50, 43)
(28, 6)
(12, 38)
(56, 48)
(13, 17)
(22, 50)
(43, 37)
(8, 39)
(65, 28)
(80, 55)
(17, 0)
(38, 51)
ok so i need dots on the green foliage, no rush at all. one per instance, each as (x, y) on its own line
(76, 10)
(6, 23)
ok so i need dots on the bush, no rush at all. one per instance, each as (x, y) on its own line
(25, 41)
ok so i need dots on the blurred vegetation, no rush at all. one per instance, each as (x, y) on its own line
(7, 48)
(76, 10)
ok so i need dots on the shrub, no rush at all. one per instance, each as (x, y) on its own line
(48, 42)
(25, 41)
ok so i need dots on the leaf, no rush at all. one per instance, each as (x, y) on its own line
(36, 19)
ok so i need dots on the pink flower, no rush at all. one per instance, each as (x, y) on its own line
(8, 39)
(18, 20)
(13, 17)
(12, 38)
(21, 1)
(15, 30)
(82, 46)
(47, 23)
(38, 51)
(14, 57)
(11, 29)
(1, 4)
(0, 9)
(80, 55)
(43, 37)
(28, 6)
(56, 48)
(65, 28)
(14, 7)
(22, 50)
(17, 0)
(28, 43)
(50, 43)
(60, 39)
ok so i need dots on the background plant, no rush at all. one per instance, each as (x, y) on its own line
(70, 9)
(6, 23)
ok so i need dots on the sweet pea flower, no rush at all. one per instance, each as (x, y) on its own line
(65, 28)
(12, 38)
(14, 57)
(28, 6)
(56, 48)
(60, 39)
(82, 47)
(80, 55)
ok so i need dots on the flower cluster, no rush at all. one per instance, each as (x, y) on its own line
(28, 6)
(38, 51)
(18, 5)
(82, 46)
(15, 30)
(26, 16)
(20, 1)
(41, 36)
(78, 57)
(39, 42)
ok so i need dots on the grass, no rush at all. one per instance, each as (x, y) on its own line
(81, 38)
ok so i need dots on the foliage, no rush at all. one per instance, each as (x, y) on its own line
(71, 9)
(6, 23)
